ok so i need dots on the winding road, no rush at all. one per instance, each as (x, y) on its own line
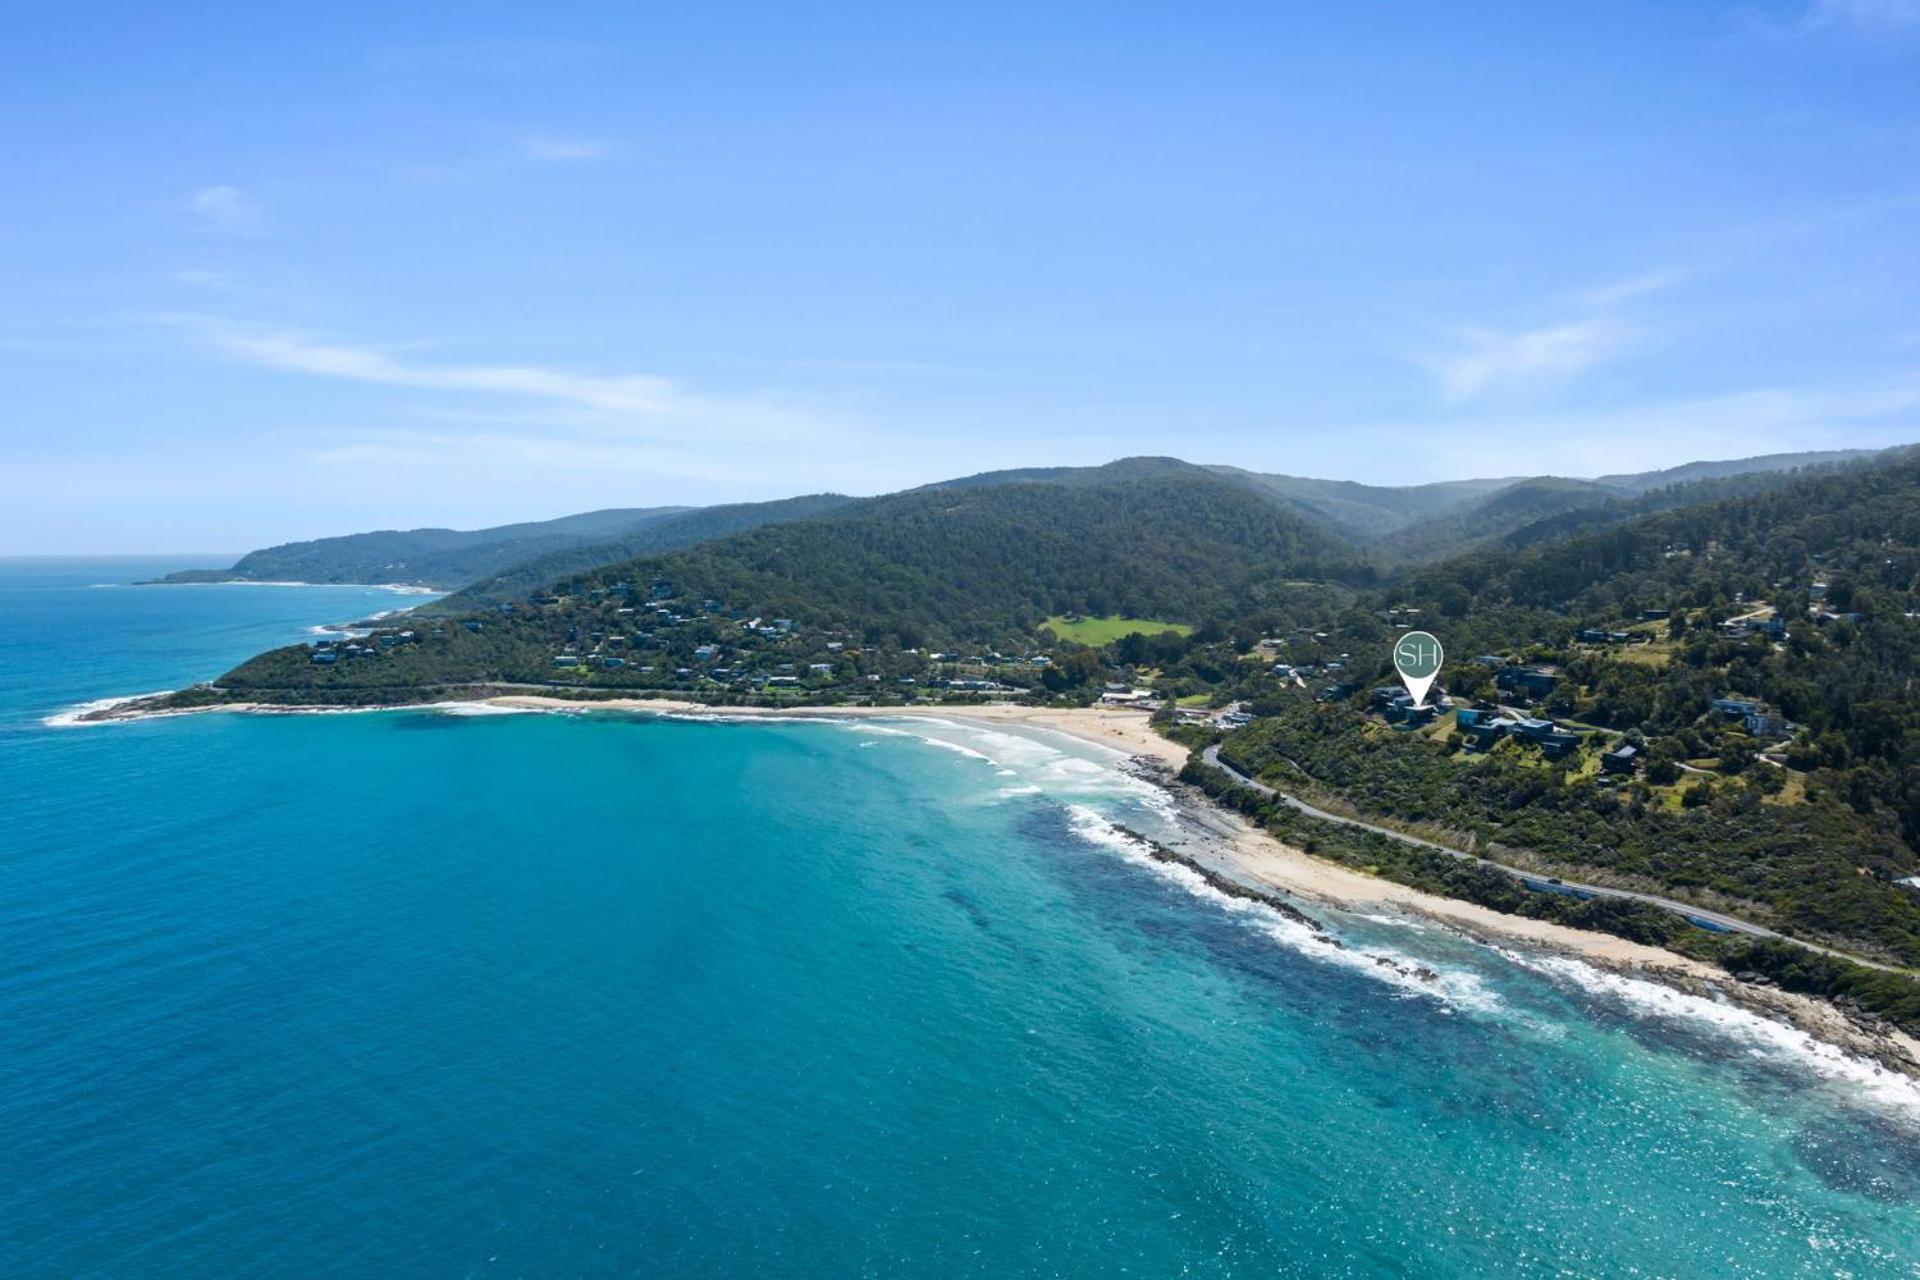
(1699, 916)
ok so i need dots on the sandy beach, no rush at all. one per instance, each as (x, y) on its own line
(1240, 852)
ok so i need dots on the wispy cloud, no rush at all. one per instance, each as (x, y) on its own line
(551, 412)
(528, 150)
(1482, 361)
(224, 209)
(1646, 434)
(625, 394)
(1869, 15)
(1619, 291)
(1492, 360)
(551, 150)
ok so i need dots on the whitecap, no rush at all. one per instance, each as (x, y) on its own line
(73, 716)
(1454, 988)
(1758, 1034)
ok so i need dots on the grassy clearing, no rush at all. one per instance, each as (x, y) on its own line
(1795, 792)
(1099, 631)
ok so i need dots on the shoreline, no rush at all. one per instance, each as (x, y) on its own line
(397, 588)
(1233, 849)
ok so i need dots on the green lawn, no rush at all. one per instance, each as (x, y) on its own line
(1099, 631)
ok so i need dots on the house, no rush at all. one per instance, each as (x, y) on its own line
(1655, 615)
(1401, 711)
(783, 682)
(1491, 660)
(1556, 743)
(1535, 682)
(324, 657)
(1591, 635)
(1484, 728)
(1622, 759)
(819, 668)
(473, 624)
(1741, 707)
(1762, 724)
(566, 659)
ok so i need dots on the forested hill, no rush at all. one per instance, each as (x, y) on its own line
(1396, 525)
(685, 529)
(1832, 560)
(963, 562)
(428, 557)
(1531, 513)
(1858, 526)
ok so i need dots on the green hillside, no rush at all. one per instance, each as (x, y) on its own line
(443, 558)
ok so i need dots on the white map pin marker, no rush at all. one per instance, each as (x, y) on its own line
(1416, 656)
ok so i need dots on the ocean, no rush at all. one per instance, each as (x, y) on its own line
(454, 992)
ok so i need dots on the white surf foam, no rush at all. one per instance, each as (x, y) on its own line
(476, 709)
(1755, 1033)
(72, 716)
(1455, 989)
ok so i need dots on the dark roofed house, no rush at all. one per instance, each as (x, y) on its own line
(1401, 711)
(1622, 759)
(1558, 742)
(1534, 681)
(1741, 707)
(1482, 728)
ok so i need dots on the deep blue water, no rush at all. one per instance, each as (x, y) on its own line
(430, 993)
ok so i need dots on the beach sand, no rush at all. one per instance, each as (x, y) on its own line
(1239, 851)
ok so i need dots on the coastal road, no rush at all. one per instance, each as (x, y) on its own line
(1533, 879)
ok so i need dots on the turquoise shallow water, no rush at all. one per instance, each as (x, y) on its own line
(435, 993)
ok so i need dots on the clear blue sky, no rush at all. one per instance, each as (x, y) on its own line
(280, 271)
